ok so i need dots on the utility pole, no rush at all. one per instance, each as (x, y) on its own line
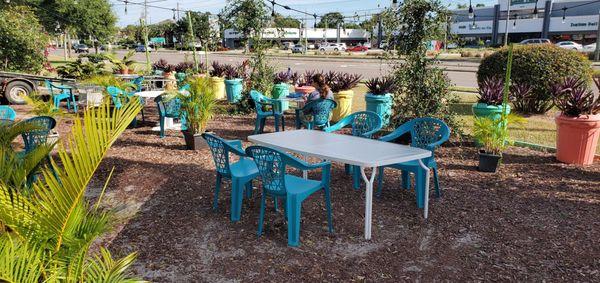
(145, 35)
(506, 23)
(597, 53)
(379, 31)
(193, 38)
(178, 11)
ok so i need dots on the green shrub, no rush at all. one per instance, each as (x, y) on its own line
(22, 40)
(539, 66)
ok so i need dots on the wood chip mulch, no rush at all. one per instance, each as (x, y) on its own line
(534, 220)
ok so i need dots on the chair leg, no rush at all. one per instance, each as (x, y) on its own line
(347, 169)
(276, 124)
(293, 209)
(74, 103)
(405, 180)
(249, 189)
(275, 200)
(162, 126)
(438, 192)
(143, 118)
(356, 177)
(420, 187)
(217, 189)
(237, 194)
(261, 216)
(283, 123)
(380, 181)
(263, 121)
(328, 205)
(256, 125)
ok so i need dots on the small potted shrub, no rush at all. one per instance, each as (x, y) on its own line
(342, 84)
(159, 67)
(169, 75)
(379, 98)
(578, 124)
(124, 65)
(489, 102)
(182, 70)
(217, 78)
(492, 136)
(234, 77)
(303, 82)
(281, 88)
(198, 107)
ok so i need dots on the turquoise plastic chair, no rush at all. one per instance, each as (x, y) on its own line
(169, 109)
(241, 172)
(265, 108)
(276, 183)
(60, 93)
(426, 133)
(364, 124)
(34, 138)
(319, 111)
(138, 83)
(7, 113)
(116, 95)
(185, 87)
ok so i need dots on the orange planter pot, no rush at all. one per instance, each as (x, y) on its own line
(305, 90)
(577, 138)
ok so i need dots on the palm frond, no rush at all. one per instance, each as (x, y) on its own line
(18, 261)
(105, 269)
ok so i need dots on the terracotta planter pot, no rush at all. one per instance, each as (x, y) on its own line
(577, 138)
(124, 71)
(305, 90)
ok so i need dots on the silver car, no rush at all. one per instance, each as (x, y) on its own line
(298, 48)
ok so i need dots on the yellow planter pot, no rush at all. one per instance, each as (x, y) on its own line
(344, 105)
(219, 87)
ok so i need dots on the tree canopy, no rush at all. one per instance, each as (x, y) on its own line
(331, 20)
(281, 21)
(22, 40)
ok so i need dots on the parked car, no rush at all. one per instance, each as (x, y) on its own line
(536, 41)
(358, 48)
(298, 48)
(367, 45)
(311, 46)
(287, 45)
(570, 45)
(333, 47)
(142, 48)
(81, 48)
(589, 48)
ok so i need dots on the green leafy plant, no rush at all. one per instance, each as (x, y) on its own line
(573, 97)
(381, 86)
(218, 69)
(81, 70)
(107, 80)
(39, 107)
(539, 66)
(199, 104)
(493, 134)
(342, 81)
(22, 40)
(49, 229)
(124, 64)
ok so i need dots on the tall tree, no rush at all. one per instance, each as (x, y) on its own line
(22, 40)
(331, 20)
(249, 17)
(201, 26)
(281, 21)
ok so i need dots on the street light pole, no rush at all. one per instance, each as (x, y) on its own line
(506, 24)
(597, 53)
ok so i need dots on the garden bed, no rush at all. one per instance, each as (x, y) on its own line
(535, 220)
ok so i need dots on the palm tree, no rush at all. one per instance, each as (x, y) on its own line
(48, 229)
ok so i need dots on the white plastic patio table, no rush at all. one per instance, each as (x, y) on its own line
(362, 152)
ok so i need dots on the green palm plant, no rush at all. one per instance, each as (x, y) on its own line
(49, 230)
(124, 64)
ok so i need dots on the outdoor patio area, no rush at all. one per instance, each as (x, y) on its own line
(536, 220)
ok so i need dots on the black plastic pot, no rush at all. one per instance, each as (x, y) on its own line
(488, 162)
(194, 142)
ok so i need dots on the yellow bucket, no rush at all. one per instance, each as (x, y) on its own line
(219, 87)
(344, 104)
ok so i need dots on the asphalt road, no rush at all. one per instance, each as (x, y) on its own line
(461, 73)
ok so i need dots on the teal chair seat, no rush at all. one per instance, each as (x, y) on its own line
(426, 133)
(265, 108)
(169, 108)
(241, 172)
(364, 124)
(60, 93)
(7, 113)
(272, 165)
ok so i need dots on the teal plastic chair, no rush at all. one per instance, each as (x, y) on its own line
(319, 111)
(425, 133)
(265, 108)
(138, 83)
(34, 138)
(60, 93)
(185, 87)
(7, 113)
(169, 109)
(118, 97)
(241, 173)
(294, 190)
(364, 124)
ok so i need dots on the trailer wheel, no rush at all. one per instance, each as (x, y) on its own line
(15, 91)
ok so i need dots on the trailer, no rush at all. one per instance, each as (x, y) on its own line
(15, 85)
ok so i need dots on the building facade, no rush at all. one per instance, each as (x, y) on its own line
(233, 38)
(556, 20)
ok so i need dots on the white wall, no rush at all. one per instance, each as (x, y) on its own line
(572, 24)
(294, 33)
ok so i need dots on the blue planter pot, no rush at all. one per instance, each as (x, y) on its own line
(380, 104)
(485, 110)
(233, 88)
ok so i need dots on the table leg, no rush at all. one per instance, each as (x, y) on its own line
(368, 200)
(305, 172)
(426, 206)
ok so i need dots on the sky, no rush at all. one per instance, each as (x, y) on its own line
(346, 7)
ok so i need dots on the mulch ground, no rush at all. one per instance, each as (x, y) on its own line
(536, 219)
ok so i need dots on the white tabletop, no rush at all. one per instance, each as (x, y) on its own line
(150, 93)
(341, 148)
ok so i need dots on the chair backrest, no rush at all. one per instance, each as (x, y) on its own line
(168, 108)
(426, 132)
(320, 110)
(7, 113)
(33, 138)
(271, 166)
(259, 100)
(364, 122)
(138, 83)
(185, 87)
(49, 87)
(116, 94)
(220, 150)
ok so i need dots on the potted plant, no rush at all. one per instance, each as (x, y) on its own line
(489, 102)
(182, 70)
(492, 134)
(217, 78)
(124, 65)
(169, 75)
(379, 98)
(303, 83)
(281, 89)
(198, 106)
(234, 77)
(578, 124)
(159, 66)
(342, 84)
